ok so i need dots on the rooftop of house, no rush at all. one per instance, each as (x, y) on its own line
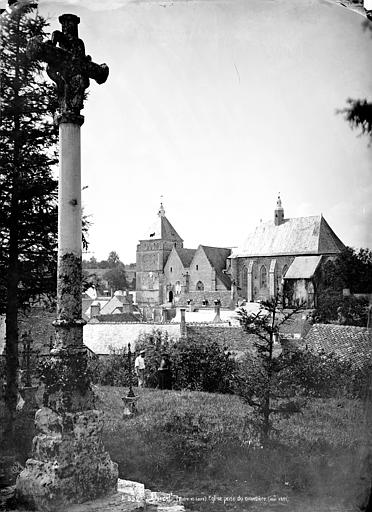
(346, 341)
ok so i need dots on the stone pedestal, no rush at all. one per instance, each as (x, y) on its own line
(69, 463)
(130, 405)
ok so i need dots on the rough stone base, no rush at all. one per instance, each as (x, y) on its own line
(69, 463)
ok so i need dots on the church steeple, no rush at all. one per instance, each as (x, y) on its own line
(279, 212)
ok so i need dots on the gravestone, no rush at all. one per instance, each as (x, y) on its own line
(69, 463)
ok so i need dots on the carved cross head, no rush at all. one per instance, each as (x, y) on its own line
(68, 66)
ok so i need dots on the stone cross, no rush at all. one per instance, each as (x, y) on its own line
(71, 70)
(69, 463)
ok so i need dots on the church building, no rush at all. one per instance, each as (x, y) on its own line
(285, 256)
(169, 274)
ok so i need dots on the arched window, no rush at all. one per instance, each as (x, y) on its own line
(199, 286)
(263, 277)
(284, 271)
(170, 296)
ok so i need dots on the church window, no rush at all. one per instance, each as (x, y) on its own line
(263, 277)
(197, 267)
(171, 269)
(199, 286)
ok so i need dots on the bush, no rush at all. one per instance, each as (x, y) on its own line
(196, 365)
(111, 370)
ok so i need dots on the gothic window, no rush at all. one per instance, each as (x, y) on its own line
(263, 277)
(171, 269)
(177, 288)
(197, 267)
(199, 286)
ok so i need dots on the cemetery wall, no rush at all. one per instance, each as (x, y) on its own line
(100, 337)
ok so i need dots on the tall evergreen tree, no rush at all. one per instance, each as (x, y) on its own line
(28, 207)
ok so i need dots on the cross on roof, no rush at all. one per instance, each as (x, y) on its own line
(68, 66)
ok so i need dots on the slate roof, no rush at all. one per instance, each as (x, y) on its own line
(217, 257)
(348, 342)
(116, 318)
(303, 267)
(162, 229)
(297, 236)
(186, 256)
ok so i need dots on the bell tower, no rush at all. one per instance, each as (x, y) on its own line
(279, 212)
(152, 254)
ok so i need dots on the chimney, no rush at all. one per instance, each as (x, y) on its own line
(183, 323)
(95, 310)
(217, 309)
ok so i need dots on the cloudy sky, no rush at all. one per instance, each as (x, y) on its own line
(218, 105)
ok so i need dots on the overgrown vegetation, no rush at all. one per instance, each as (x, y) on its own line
(196, 365)
(200, 445)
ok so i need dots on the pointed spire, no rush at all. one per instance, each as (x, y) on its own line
(279, 202)
(161, 211)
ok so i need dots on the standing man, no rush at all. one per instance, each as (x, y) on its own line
(165, 373)
(139, 368)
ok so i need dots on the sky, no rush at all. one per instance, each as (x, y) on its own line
(219, 105)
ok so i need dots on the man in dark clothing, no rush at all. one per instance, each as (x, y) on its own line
(165, 373)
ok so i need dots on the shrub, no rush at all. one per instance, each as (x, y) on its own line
(111, 370)
(196, 365)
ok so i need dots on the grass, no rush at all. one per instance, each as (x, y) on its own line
(197, 445)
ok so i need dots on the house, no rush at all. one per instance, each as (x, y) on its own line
(285, 256)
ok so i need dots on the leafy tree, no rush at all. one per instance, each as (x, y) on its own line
(113, 259)
(92, 263)
(334, 308)
(266, 394)
(27, 188)
(116, 278)
(352, 269)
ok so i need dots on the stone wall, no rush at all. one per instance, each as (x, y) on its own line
(100, 337)
(240, 271)
(202, 271)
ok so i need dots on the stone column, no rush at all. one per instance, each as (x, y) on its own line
(69, 463)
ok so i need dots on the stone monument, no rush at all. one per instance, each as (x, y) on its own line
(69, 463)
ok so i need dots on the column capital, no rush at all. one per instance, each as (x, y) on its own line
(69, 117)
